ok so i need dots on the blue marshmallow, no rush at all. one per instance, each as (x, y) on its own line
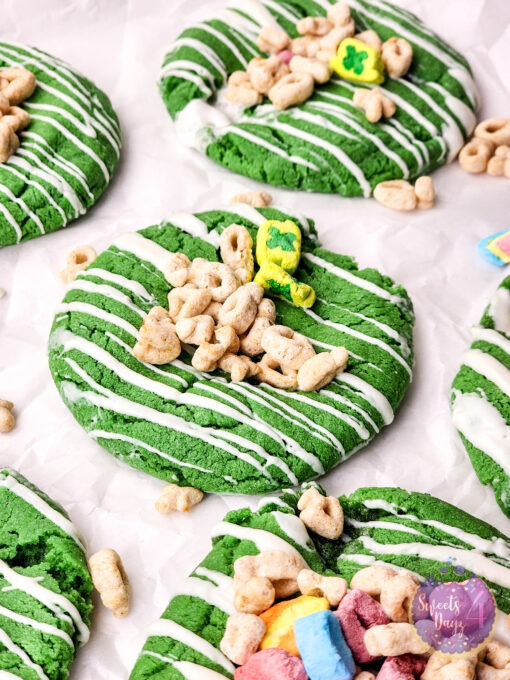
(325, 654)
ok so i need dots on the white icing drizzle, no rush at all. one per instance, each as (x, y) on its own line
(489, 367)
(129, 284)
(502, 631)
(263, 540)
(357, 280)
(483, 425)
(40, 505)
(21, 203)
(55, 602)
(257, 11)
(203, 50)
(144, 249)
(470, 559)
(209, 592)
(5, 675)
(193, 226)
(342, 328)
(246, 211)
(12, 647)
(294, 528)
(350, 404)
(169, 628)
(492, 336)
(5, 212)
(499, 310)
(45, 628)
(223, 38)
(108, 291)
(88, 308)
(370, 394)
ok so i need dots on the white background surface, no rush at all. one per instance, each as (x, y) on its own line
(120, 45)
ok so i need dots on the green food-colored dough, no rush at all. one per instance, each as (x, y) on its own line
(481, 397)
(67, 154)
(45, 586)
(325, 144)
(201, 429)
(416, 523)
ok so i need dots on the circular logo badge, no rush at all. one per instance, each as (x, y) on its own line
(454, 618)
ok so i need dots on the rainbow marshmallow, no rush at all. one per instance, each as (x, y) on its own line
(496, 248)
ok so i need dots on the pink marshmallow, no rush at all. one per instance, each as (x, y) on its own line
(285, 56)
(272, 664)
(357, 613)
(405, 667)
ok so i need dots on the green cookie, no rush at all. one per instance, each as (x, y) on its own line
(325, 144)
(481, 397)
(200, 429)
(67, 154)
(45, 585)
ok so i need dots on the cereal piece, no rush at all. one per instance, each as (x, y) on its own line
(315, 26)
(289, 348)
(236, 247)
(365, 675)
(394, 639)
(331, 42)
(446, 667)
(9, 142)
(272, 39)
(240, 90)
(213, 310)
(339, 14)
(254, 596)
(272, 664)
(240, 309)
(320, 71)
(372, 579)
(474, 156)
(320, 369)
(495, 130)
(251, 341)
(279, 283)
(397, 194)
(397, 595)
(357, 613)
(370, 38)
(110, 580)
(208, 354)
(78, 259)
(195, 330)
(333, 588)
(292, 89)
(265, 73)
(158, 342)
(242, 637)
(358, 61)
(281, 617)
(425, 193)
(217, 277)
(176, 271)
(280, 243)
(257, 199)
(239, 367)
(497, 654)
(499, 164)
(397, 55)
(281, 568)
(325, 653)
(178, 498)
(374, 103)
(321, 514)
(405, 667)
(306, 46)
(188, 301)
(20, 85)
(483, 672)
(272, 373)
(7, 420)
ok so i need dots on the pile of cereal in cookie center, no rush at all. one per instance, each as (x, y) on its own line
(217, 312)
(329, 44)
(292, 623)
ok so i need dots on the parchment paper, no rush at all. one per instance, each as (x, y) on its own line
(120, 45)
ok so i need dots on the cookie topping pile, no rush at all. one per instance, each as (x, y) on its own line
(16, 85)
(489, 150)
(330, 632)
(219, 307)
(288, 77)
